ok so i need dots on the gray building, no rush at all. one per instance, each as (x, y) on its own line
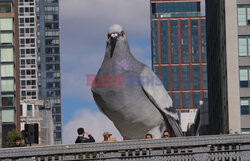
(243, 8)
(38, 112)
(223, 66)
(49, 74)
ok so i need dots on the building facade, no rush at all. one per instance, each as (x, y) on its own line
(37, 112)
(179, 55)
(243, 9)
(49, 68)
(223, 67)
(28, 49)
(9, 77)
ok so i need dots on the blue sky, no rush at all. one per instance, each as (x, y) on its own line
(84, 25)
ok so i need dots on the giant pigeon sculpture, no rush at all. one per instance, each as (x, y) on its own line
(130, 94)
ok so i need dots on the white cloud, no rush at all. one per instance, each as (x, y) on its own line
(94, 122)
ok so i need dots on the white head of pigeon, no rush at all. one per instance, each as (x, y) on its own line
(115, 32)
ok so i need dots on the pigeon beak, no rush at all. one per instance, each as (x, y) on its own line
(113, 43)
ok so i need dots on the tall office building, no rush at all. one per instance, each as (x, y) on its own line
(223, 65)
(9, 77)
(28, 49)
(49, 74)
(243, 7)
(179, 52)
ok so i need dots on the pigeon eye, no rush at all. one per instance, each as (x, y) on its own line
(122, 34)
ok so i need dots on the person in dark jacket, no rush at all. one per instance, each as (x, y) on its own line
(82, 139)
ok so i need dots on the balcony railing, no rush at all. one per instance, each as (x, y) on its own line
(202, 148)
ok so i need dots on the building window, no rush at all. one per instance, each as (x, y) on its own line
(204, 41)
(23, 93)
(7, 100)
(155, 42)
(58, 128)
(195, 41)
(49, 75)
(205, 95)
(7, 70)
(176, 100)
(6, 24)
(196, 77)
(7, 85)
(57, 118)
(186, 99)
(51, 1)
(51, 9)
(8, 116)
(58, 135)
(196, 99)
(244, 106)
(244, 77)
(6, 38)
(52, 50)
(174, 39)
(165, 77)
(21, 110)
(184, 41)
(185, 77)
(57, 110)
(7, 55)
(244, 46)
(6, 7)
(173, 9)
(204, 76)
(52, 33)
(29, 107)
(52, 42)
(245, 131)
(51, 26)
(51, 17)
(176, 78)
(243, 15)
(164, 41)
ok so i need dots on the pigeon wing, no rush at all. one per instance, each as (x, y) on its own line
(156, 92)
(158, 95)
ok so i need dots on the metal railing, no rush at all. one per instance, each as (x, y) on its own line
(202, 148)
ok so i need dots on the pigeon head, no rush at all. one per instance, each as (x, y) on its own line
(115, 33)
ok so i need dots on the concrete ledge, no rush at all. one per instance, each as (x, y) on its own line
(171, 143)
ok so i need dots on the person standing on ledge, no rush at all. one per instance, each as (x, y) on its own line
(82, 139)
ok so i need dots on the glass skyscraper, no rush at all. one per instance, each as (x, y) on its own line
(49, 71)
(9, 75)
(179, 50)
